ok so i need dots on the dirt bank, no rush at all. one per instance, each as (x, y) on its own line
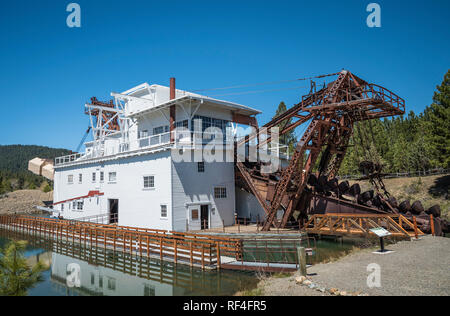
(23, 201)
(416, 268)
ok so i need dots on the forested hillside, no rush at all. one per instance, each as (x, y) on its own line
(14, 165)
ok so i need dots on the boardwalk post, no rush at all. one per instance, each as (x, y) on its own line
(218, 256)
(161, 248)
(432, 225)
(190, 252)
(301, 260)
(415, 227)
(175, 250)
(203, 256)
(114, 242)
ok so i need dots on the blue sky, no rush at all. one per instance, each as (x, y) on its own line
(49, 70)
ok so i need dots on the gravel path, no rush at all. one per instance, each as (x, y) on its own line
(415, 268)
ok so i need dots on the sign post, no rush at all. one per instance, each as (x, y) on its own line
(381, 232)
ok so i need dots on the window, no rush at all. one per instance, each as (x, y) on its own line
(80, 205)
(62, 207)
(182, 124)
(102, 176)
(164, 211)
(92, 278)
(220, 193)
(161, 130)
(100, 282)
(194, 214)
(111, 284)
(149, 290)
(149, 182)
(112, 177)
(143, 134)
(74, 205)
(201, 166)
(70, 179)
(94, 176)
(211, 122)
(80, 178)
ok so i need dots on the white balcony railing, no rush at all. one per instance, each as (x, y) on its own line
(68, 159)
(186, 139)
(183, 139)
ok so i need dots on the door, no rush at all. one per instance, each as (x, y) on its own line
(204, 210)
(113, 211)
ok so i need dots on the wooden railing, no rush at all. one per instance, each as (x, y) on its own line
(149, 269)
(360, 224)
(191, 249)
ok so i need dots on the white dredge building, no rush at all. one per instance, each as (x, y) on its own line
(130, 173)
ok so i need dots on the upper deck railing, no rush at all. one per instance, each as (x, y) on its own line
(378, 92)
(68, 158)
(183, 139)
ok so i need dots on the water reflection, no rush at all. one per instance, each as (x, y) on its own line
(79, 270)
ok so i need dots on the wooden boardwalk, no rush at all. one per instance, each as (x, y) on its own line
(195, 250)
(360, 224)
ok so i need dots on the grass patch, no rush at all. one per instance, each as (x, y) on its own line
(281, 275)
(254, 292)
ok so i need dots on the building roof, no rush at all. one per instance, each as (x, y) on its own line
(185, 96)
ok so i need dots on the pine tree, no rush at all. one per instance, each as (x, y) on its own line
(437, 124)
(288, 138)
(16, 277)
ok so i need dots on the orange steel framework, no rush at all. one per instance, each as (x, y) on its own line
(331, 113)
(360, 224)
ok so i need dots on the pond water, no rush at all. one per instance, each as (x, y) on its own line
(78, 271)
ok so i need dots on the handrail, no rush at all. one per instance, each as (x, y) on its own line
(360, 224)
(230, 246)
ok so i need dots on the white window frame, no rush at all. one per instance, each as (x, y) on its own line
(143, 134)
(62, 207)
(109, 177)
(78, 205)
(143, 182)
(70, 179)
(94, 177)
(102, 176)
(222, 194)
(80, 178)
(167, 211)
